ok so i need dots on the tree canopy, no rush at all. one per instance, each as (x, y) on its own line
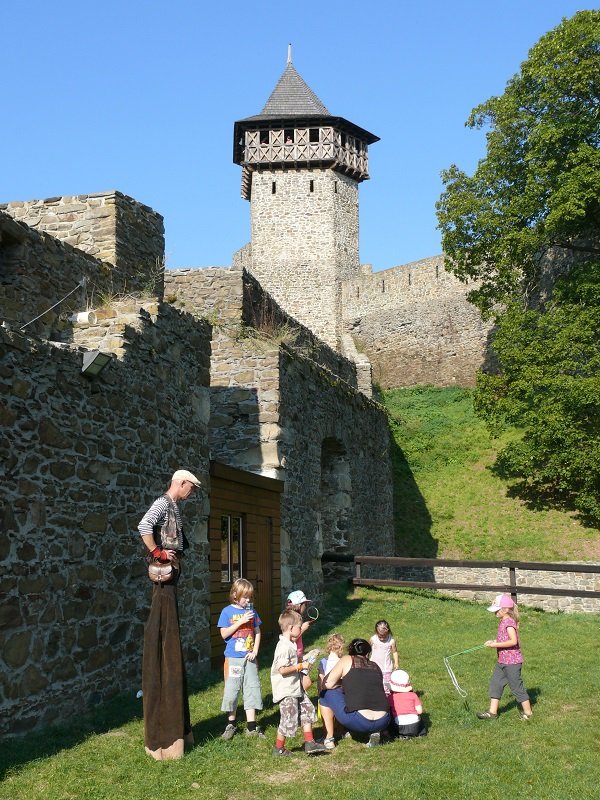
(531, 213)
(539, 184)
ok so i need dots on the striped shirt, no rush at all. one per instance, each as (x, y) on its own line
(163, 521)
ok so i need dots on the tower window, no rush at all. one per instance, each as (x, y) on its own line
(289, 136)
(335, 187)
(313, 135)
(437, 271)
(409, 279)
(358, 291)
(383, 286)
(273, 188)
(264, 137)
(312, 186)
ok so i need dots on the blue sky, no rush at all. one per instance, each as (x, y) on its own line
(142, 96)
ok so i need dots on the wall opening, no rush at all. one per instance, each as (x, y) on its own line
(335, 501)
(273, 188)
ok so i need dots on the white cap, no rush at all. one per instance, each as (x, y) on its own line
(185, 475)
(399, 681)
(297, 598)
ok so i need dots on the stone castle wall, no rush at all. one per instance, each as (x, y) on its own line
(287, 406)
(81, 460)
(304, 241)
(415, 325)
(110, 226)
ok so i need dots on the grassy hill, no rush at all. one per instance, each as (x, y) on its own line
(448, 502)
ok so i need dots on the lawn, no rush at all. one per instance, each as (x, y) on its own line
(448, 501)
(553, 756)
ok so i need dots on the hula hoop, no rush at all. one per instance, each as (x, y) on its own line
(312, 612)
(450, 671)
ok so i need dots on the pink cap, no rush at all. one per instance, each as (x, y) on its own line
(501, 601)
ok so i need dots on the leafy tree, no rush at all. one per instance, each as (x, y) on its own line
(539, 185)
(530, 211)
(549, 387)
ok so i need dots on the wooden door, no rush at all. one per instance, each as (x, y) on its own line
(244, 542)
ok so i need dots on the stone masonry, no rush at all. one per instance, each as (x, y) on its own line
(415, 325)
(284, 404)
(305, 234)
(110, 226)
(81, 461)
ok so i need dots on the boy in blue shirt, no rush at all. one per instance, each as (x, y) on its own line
(239, 626)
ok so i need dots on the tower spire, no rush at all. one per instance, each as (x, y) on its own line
(289, 58)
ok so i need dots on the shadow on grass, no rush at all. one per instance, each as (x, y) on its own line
(412, 520)
(116, 712)
(126, 708)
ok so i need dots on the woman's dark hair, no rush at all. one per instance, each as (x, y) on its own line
(359, 647)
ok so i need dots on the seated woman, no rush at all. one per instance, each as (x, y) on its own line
(354, 694)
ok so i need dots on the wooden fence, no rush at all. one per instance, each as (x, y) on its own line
(512, 587)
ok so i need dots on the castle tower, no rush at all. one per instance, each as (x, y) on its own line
(301, 167)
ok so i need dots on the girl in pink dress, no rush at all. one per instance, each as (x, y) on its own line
(384, 651)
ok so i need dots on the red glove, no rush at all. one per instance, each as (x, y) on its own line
(159, 554)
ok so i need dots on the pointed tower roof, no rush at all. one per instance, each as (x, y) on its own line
(292, 97)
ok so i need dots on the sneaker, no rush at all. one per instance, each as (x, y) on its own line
(486, 715)
(329, 743)
(281, 751)
(312, 748)
(524, 716)
(256, 732)
(374, 740)
(229, 732)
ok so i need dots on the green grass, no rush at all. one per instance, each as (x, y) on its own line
(448, 502)
(554, 757)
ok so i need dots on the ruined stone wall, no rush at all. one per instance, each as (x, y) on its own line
(304, 242)
(240, 307)
(334, 446)
(415, 325)
(37, 271)
(110, 226)
(288, 407)
(81, 460)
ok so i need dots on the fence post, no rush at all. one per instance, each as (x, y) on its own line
(512, 579)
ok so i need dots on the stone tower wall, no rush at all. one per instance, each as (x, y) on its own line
(110, 226)
(416, 325)
(305, 242)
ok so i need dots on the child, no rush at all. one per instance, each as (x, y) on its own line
(298, 601)
(294, 704)
(405, 706)
(239, 626)
(335, 650)
(384, 651)
(510, 658)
